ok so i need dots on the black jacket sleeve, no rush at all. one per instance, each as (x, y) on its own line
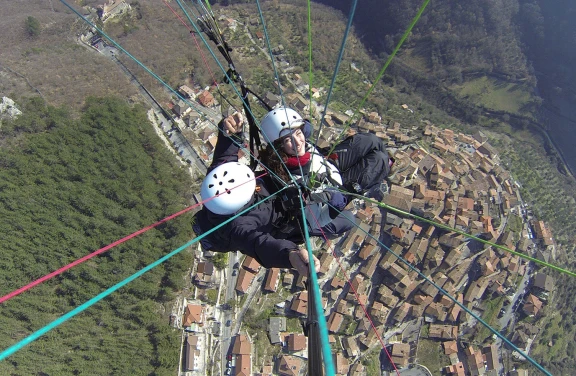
(267, 250)
(227, 147)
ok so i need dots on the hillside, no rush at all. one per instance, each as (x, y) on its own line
(69, 187)
(450, 73)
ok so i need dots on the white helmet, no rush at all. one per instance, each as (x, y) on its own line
(278, 122)
(231, 184)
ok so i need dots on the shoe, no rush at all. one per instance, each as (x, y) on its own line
(377, 192)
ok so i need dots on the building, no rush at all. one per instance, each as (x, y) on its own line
(276, 326)
(191, 353)
(400, 354)
(289, 365)
(193, 314)
(206, 99)
(272, 280)
(297, 342)
(244, 280)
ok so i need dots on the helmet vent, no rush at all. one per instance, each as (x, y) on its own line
(220, 183)
(210, 185)
(283, 123)
(228, 191)
(217, 192)
(225, 173)
(231, 181)
(215, 176)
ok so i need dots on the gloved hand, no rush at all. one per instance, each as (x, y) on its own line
(337, 203)
(337, 200)
(307, 129)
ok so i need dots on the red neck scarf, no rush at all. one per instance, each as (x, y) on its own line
(295, 161)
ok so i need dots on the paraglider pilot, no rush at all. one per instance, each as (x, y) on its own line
(266, 232)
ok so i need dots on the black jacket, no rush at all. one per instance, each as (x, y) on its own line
(262, 232)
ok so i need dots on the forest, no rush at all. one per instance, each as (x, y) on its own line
(69, 186)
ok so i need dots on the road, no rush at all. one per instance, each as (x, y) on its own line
(173, 133)
(227, 332)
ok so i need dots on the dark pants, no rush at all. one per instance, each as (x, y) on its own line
(337, 227)
(362, 159)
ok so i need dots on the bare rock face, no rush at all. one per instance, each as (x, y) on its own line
(8, 109)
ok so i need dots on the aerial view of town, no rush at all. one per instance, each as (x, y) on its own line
(443, 276)
(241, 319)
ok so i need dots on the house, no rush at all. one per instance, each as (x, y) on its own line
(204, 274)
(266, 370)
(243, 365)
(400, 354)
(350, 346)
(443, 331)
(251, 264)
(402, 312)
(297, 101)
(297, 342)
(334, 322)
(542, 233)
(242, 348)
(300, 303)
(450, 347)
(289, 365)
(378, 311)
(475, 362)
(271, 99)
(241, 345)
(325, 262)
(532, 305)
(276, 325)
(206, 99)
(193, 314)
(192, 348)
(244, 280)
(186, 91)
(492, 358)
(544, 282)
(272, 279)
(341, 364)
(455, 369)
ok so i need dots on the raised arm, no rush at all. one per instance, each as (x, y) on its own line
(229, 138)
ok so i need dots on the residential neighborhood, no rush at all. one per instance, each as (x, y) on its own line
(396, 265)
(442, 249)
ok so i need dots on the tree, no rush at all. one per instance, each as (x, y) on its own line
(220, 260)
(32, 26)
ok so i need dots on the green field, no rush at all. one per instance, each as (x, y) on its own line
(431, 355)
(497, 95)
